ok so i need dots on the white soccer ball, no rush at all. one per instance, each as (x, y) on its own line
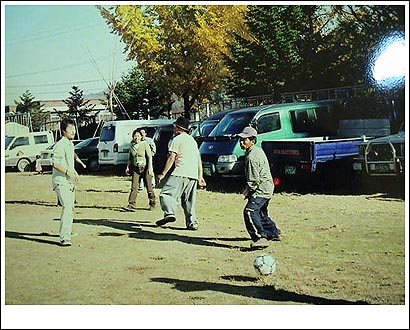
(264, 264)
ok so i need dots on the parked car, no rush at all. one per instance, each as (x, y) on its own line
(116, 136)
(21, 150)
(383, 156)
(221, 153)
(46, 159)
(207, 125)
(87, 151)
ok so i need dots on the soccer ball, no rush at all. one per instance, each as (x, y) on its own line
(264, 264)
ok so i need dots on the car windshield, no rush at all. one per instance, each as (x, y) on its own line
(8, 140)
(50, 147)
(84, 143)
(207, 127)
(232, 123)
(401, 129)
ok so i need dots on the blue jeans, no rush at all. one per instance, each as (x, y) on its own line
(257, 221)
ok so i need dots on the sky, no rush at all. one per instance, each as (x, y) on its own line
(49, 47)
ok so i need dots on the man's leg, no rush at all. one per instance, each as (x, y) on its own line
(268, 224)
(253, 222)
(132, 198)
(66, 196)
(170, 193)
(188, 202)
(150, 190)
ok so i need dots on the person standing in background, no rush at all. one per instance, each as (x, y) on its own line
(140, 165)
(39, 168)
(153, 146)
(65, 178)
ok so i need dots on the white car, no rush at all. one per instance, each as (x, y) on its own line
(46, 159)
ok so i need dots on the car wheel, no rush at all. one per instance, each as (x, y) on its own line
(23, 165)
(93, 165)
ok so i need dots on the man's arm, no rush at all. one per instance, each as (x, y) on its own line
(168, 165)
(201, 180)
(78, 160)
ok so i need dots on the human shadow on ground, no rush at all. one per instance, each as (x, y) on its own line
(136, 229)
(51, 204)
(28, 237)
(265, 292)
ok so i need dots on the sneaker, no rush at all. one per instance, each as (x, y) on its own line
(261, 243)
(131, 208)
(65, 243)
(192, 226)
(165, 220)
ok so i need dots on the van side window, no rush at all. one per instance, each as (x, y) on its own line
(150, 131)
(39, 139)
(162, 142)
(268, 123)
(21, 141)
(107, 133)
(303, 121)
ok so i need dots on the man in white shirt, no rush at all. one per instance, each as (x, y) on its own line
(181, 185)
(65, 177)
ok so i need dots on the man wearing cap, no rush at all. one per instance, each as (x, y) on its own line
(181, 185)
(258, 192)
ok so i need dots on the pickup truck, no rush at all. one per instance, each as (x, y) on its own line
(382, 159)
(315, 157)
(323, 161)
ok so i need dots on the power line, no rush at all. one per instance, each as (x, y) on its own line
(46, 92)
(55, 69)
(54, 34)
(55, 84)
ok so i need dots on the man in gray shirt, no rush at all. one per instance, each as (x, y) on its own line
(258, 192)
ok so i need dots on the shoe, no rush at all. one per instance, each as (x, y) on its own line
(192, 226)
(131, 208)
(261, 243)
(166, 220)
(65, 243)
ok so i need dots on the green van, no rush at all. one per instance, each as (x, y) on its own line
(221, 153)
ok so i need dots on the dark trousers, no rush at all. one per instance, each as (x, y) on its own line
(132, 198)
(257, 221)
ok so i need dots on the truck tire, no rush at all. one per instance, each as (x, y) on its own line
(23, 165)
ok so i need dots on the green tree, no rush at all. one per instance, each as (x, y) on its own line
(140, 98)
(28, 105)
(356, 35)
(309, 47)
(180, 48)
(284, 54)
(78, 107)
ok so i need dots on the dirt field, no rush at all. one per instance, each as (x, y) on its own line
(336, 250)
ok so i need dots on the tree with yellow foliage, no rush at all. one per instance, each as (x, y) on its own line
(182, 49)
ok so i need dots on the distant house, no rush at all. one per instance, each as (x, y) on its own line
(13, 128)
(53, 107)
